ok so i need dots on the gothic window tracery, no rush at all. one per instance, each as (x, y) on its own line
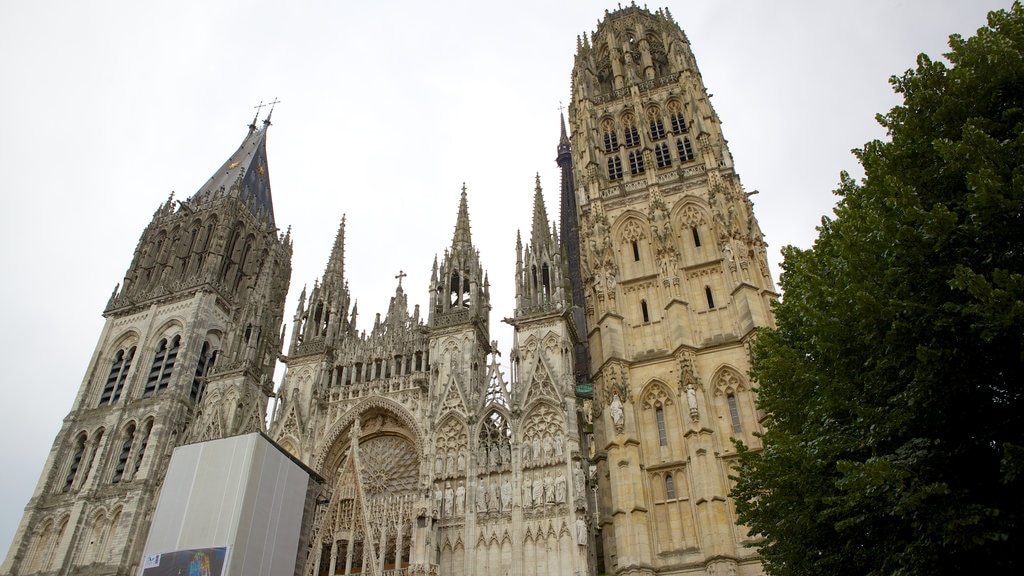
(543, 436)
(207, 356)
(662, 155)
(495, 441)
(76, 461)
(614, 168)
(685, 149)
(141, 452)
(119, 369)
(163, 364)
(122, 458)
(611, 138)
(636, 162)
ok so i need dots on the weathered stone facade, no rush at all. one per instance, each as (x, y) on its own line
(605, 449)
(435, 462)
(676, 280)
(187, 353)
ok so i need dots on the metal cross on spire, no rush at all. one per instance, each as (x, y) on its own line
(401, 274)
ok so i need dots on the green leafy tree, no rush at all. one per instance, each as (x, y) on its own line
(893, 383)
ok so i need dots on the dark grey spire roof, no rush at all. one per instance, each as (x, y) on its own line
(247, 168)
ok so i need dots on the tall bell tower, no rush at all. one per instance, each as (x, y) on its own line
(676, 282)
(186, 353)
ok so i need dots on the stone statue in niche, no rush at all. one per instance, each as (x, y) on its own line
(538, 490)
(481, 496)
(449, 497)
(560, 488)
(460, 499)
(506, 495)
(461, 464)
(617, 414)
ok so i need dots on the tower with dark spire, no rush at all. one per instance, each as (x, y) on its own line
(675, 284)
(187, 352)
(570, 245)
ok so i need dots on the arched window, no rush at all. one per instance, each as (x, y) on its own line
(734, 413)
(636, 251)
(662, 155)
(632, 136)
(142, 448)
(118, 374)
(206, 358)
(696, 236)
(670, 487)
(659, 413)
(614, 168)
(163, 365)
(545, 277)
(636, 162)
(678, 123)
(643, 310)
(611, 142)
(657, 129)
(685, 149)
(711, 299)
(122, 458)
(76, 461)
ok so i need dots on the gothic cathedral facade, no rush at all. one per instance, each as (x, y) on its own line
(602, 445)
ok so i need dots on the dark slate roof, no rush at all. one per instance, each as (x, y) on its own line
(248, 163)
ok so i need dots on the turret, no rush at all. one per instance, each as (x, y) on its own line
(460, 292)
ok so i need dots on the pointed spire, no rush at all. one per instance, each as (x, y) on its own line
(245, 173)
(462, 242)
(540, 234)
(334, 275)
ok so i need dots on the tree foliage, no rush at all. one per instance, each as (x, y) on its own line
(893, 385)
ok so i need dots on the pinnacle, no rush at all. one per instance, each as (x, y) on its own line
(462, 241)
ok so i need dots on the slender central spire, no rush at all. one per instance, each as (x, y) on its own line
(462, 242)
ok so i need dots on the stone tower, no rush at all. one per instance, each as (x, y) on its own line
(676, 282)
(187, 352)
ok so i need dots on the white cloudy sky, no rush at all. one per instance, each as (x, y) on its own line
(387, 107)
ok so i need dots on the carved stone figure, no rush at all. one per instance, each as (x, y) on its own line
(558, 445)
(494, 502)
(548, 449)
(506, 495)
(526, 453)
(549, 489)
(481, 497)
(460, 499)
(560, 488)
(581, 532)
(461, 464)
(578, 481)
(615, 410)
(538, 491)
(450, 465)
(449, 497)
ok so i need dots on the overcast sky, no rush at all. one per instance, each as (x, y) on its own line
(387, 107)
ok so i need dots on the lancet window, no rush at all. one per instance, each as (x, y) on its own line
(76, 461)
(685, 149)
(662, 155)
(163, 365)
(206, 358)
(122, 458)
(119, 368)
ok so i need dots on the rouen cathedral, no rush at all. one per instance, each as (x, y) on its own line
(603, 445)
